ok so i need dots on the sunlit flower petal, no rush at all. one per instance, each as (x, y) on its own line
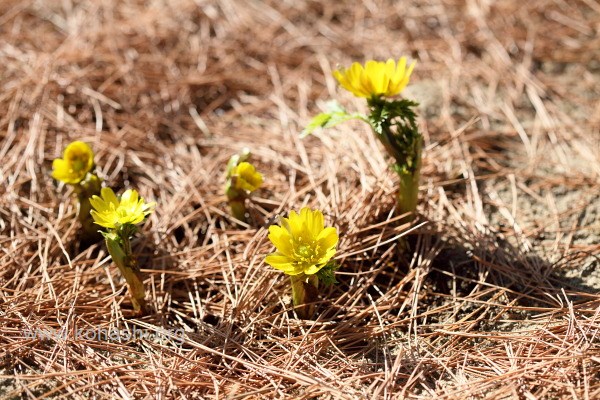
(77, 161)
(328, 237)
(303, 243)
(109, 196)
(246, 177)
(282, 239)
(376, 78)
(281, 262)
(110, 212)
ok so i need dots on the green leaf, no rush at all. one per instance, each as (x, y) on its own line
(394, 123)
(111, 235)
(114, 245)
(335, 114)
(326, 274)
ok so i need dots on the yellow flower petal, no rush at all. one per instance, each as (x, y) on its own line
(316, 223)
(60, 170)
(400, 70)
(129, 198)
(77, 161)
(390, 68)
(295, 224)
(282, 239)
(246, 177)
(313, 269)
(109, 196)
(303, 243)
(327, 256)
(376, 78)
(281, 263)
(110, 212)
(328, 237)
(98, 204)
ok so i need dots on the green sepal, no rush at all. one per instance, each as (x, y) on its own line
(121, 234)
(384, 111)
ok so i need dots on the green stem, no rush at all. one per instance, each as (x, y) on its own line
(237, 202)
(84, 217)
(408, 191)
(120, 251)
(304, 294)
(238, 209)
(394, 123)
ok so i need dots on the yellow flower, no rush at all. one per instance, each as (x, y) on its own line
(246, 177)
(303, 243)
(376, 78)
(111, 212)
(77, 161)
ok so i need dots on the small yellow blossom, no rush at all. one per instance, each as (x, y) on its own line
(376, 78)
(111, 212)
(246, 177)
(303, 243)
(77, 161)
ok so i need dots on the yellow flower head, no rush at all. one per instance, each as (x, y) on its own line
(77, 161)
(376, 78)
(111, 212)
(246, 177)
(303, 243)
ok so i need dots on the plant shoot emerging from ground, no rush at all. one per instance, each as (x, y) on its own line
(242, 179)
(305, 248)
(392, 120)
(76, 169)
(120, 217)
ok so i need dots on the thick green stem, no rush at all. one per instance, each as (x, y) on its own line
(238, 209)
(394, 123)
(237, 202)
(304, 294)
(408, 191)
(127, 264)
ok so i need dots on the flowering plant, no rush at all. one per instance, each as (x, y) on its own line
(392, 120)
(304, 250)
(120, 217)
(75, 168)
(242, 179)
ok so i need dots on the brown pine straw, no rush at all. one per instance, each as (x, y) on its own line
(497, 297)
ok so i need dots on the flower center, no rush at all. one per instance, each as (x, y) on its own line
(78, 162)
(307, 252)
